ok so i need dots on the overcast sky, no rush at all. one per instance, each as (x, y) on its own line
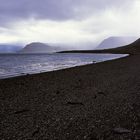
(67, 21)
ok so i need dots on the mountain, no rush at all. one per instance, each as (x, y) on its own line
(37, 47)
(113, 42)
(4, 48)
(133, 48)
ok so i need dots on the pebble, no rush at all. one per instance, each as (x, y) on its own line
(120, 130)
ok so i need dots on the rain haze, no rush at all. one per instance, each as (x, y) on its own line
(67, 21)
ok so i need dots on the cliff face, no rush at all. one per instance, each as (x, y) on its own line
(37, 47)
(113, 42)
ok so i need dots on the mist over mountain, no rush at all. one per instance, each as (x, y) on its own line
(113, 42)
(132, 48)
(38, 47)
(7, 48)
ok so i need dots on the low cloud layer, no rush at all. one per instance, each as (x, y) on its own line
(67, 21)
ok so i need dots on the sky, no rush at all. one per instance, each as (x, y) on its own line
(67, 21)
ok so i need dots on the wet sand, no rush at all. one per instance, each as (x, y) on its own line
(93, 102)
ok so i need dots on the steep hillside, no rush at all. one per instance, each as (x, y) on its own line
(133, 48)
(113, 42)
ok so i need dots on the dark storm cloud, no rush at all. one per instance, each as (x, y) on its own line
(53, 9)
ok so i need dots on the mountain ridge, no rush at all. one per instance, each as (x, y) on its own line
(38, 47)
(115, 41)
(133, 48)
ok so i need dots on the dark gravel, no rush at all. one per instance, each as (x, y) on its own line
(93, 102)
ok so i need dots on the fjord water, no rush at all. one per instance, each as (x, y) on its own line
(21, 64)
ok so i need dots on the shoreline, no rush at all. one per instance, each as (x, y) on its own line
(95, 101)
(27, 74)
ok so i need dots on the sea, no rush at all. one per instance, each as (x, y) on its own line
(12, 65)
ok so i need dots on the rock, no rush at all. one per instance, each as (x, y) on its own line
(101, 93)
(120, 130)
(21, 111)
(36, 131)
(74, 103)
(95, 96)
(57, 92)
